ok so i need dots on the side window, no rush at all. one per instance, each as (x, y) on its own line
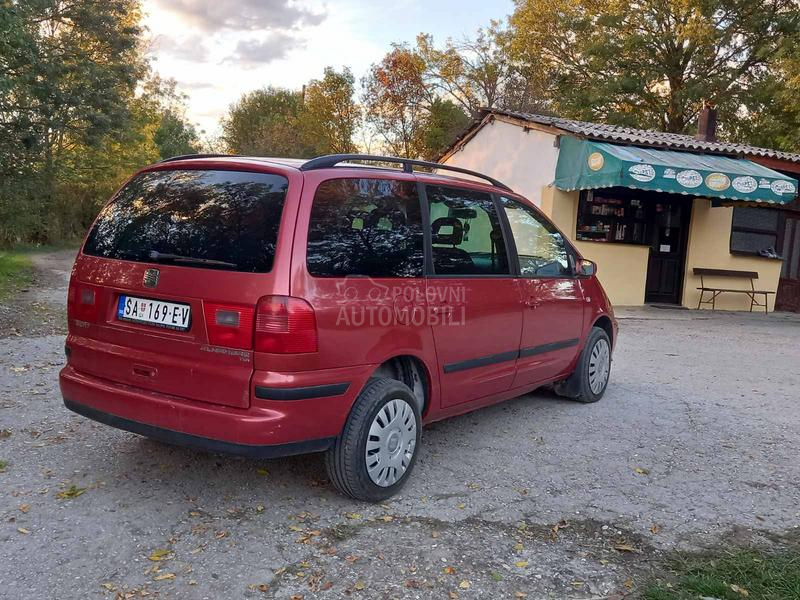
(541, 249)
(465, 233)
(367, 227)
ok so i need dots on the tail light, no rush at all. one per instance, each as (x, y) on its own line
(83, 302)
(285, 325)
(229, 325)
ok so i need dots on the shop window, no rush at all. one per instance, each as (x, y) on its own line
(754, 231)
(607, 217)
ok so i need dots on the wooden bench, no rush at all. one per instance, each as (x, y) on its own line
(716, 291)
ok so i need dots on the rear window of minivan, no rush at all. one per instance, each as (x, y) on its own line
(198, 218)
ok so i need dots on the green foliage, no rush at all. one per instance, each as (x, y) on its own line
(263, 123)
(320, 119)
(444, 122)
(652, 63)
(752, 574)
(15, 271)
(74, 121)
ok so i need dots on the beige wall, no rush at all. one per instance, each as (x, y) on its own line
(709, 243)
(621, 268)
(526, 162)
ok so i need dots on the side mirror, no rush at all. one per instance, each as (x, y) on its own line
(586, 268)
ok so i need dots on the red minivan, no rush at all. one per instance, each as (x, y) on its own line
(268, 307)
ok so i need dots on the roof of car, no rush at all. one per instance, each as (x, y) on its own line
(346, 161)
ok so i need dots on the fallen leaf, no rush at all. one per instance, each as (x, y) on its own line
(628, 584)
(164, 577)
(23, 531)
(642, 471)
(360, 585)
(70, 493)
(221, 534)
(295, 528)
(558, 526)
(327, 585)
(353, 516)
(655, 529)
(520, 595)
(160, 554)
(576, 583)
(624, 548)
(260, 508)
(351, 558)
(452, 595)
(263, 587)
(740, 590)
(297, 597)
(449, 570)
(496, 576)
(263, 472)
(387, 518)
(24, 507)
(519, 547)
(465, 585)
(521, 564)
(434, 534)
(411, 584)
(5, 433)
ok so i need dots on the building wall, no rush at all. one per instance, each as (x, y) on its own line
(524, 161)
(621, 268)
(709, 247)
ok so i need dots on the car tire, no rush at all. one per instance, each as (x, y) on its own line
(375, 453)
(589, 381)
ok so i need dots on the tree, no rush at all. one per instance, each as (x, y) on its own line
(329, 115)
(395, 100)
(477, 72)
(649, 63)
(445, 120)
(264, 123)
(68, 77)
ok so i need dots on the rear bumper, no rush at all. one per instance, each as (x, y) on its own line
(202, 443)
(269, 427)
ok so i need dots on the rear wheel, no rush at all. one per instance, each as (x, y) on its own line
(589, 380)
(375, 453)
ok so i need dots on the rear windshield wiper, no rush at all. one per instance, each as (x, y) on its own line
(158, 256)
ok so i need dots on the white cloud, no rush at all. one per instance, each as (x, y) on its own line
(275, 45)
(192, 48)
(242, 15)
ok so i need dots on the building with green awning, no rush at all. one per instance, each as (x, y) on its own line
(651, 208)
(587, 165)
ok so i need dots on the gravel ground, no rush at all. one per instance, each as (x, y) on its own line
(695, 444)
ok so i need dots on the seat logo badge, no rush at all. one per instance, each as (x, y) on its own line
(150, 278)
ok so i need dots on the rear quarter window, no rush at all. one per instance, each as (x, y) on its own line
(228, 218)
(367, 227)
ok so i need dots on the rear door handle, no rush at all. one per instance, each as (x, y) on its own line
(144, 371)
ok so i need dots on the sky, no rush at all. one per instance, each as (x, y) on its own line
(218, 49)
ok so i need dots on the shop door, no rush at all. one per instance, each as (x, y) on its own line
(788, 297)
(665, 267)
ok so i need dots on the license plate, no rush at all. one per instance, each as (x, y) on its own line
(157, 313)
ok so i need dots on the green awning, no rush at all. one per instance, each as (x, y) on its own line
(585, 165)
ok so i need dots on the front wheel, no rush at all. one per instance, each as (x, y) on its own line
(375, 453)
(589, 380)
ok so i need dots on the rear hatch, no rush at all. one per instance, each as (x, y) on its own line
(163, 296)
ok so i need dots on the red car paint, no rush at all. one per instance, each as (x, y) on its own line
(244, 400)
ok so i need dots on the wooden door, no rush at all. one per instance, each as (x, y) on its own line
(788, 296)
(670, 231)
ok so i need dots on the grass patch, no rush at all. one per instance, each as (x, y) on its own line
(15, 272)
(3, 465)
(736, 575)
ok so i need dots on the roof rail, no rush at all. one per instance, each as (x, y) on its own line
(331, 160)
(187, 156)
